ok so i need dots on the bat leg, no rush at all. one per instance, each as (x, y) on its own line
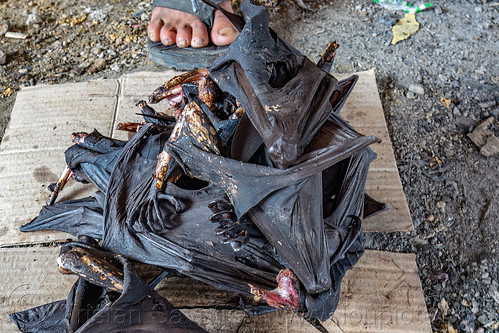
(56, 188)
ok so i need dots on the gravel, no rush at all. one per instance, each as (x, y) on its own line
(435, 87)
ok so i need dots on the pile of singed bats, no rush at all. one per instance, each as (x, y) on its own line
(256, 186)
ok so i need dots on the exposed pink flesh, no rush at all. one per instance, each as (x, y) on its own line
(79, 137)
(176, 99)
(285, 296)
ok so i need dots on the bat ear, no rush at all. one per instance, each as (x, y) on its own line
(339, 97)
(372, 206)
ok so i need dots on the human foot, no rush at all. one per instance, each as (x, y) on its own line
(172, 26)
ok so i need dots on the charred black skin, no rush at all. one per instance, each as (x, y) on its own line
(93, 307)
(293, 171)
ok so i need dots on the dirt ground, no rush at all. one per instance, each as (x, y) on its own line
(435, 87)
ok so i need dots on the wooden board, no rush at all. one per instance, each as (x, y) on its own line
(382, 293)
(43, 118)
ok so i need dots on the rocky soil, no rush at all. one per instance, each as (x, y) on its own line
(435, 88)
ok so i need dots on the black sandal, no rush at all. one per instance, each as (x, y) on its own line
(187, 58)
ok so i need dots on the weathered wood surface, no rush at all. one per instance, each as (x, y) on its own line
(382, 293)
(43, 118)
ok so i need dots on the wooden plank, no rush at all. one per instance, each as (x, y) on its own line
(382, 293)
(32, 148)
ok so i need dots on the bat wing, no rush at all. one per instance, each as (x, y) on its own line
(76, 217)
(48, 318)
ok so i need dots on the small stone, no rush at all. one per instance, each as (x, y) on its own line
(33, 19)
(115, 67)
(487, 281)
(417, 89)
(4, 26)
(96, 50)
(98, 65)
(483, 319)
(82, 67)
(465, 303)
(97, 15)
(410, 95)
(474, 306)
(494, 294)
(441, 204)
(418, 241)
(491, 147)
(430, 218)
(465, 123)
(443, 306)
(494, 112)
(482, 70)
(388, 21)
(438, 10)
(481, 133)
(3, 58)
(137, 13)
(487, 104)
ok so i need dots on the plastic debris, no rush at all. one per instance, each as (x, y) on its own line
(445, 102)
(408, 7)
(16, 35)
(404, 28)
(7, 92)
(443, 306)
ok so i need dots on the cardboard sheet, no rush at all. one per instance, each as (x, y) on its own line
(381, 294)
(364, 112)
(43, 118)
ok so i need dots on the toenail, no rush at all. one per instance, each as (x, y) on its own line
(198, 41)
(167, 41)
(226, 31)
(182, 42)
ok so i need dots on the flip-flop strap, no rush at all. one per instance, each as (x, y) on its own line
(196, 7)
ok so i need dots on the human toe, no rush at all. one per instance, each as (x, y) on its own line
(223, 32)
(154, 29)
(199, 35)
(168, 36)
(183, 35)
